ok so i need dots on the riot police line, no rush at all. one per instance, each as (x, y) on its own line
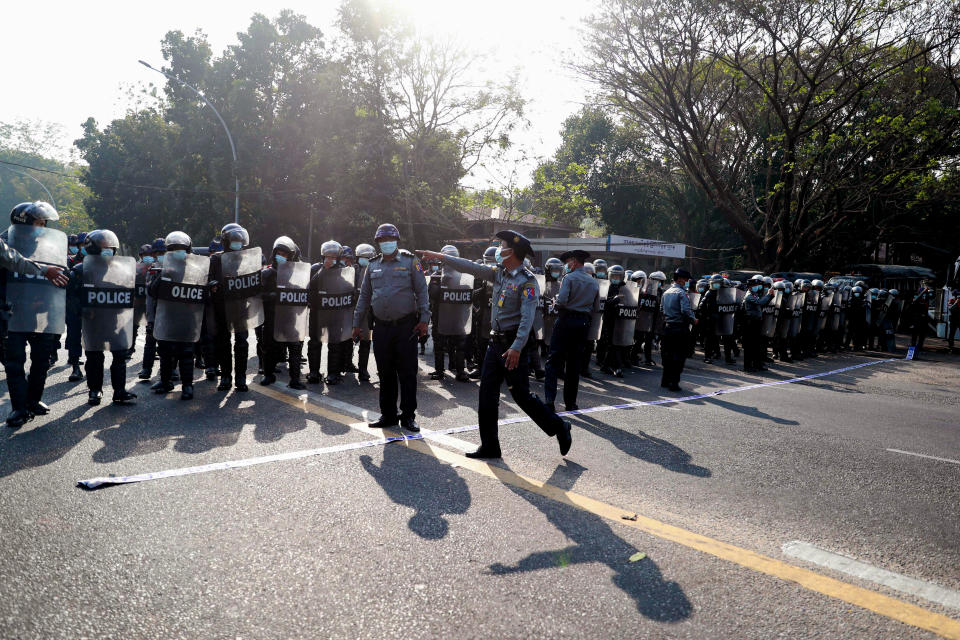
(198, 311)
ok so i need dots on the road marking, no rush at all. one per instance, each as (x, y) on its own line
(921, 455)
(899, 582)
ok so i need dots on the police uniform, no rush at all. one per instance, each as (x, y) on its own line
(515, 295)
(395, 289)
(677, 315)
(575, 303)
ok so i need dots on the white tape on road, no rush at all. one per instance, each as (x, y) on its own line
(922, 455)
(844, 564)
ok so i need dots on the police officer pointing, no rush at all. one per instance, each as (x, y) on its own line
(515, 296)
(395, 288)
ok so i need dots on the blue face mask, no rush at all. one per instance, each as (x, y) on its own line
(388, 247)
(279, 259)
(180, 254)
(83, 251)
(74, 250)
(755, 288)
(160, 259)
(555, 274)
(107, 253)
(500, 257)
(149, 259)
(567, 268)
(363, 261)
(715, 285)
(614, 280)
(236, 246)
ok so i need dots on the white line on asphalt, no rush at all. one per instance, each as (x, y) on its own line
(905, 584)
(921, 455)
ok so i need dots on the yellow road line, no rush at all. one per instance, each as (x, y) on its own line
(852, 594)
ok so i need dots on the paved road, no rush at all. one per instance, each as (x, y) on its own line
(412, 540)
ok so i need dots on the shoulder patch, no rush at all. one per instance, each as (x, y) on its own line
(418, 265)
(530, 291)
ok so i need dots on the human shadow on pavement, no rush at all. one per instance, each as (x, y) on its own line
(423, 483)
(747, 410)
(594, 541)
(643, 446)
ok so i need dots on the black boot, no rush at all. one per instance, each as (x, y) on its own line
(76, 375)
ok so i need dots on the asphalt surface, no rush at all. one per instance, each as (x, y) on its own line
(408, 540)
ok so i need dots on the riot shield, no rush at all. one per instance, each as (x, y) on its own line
(695, 297)
(455, 312)
(811, 311)
(108, 298)
(626, 315)
(484, 308)
(291, 313)
(550, 312)
(241, 288)
(599, 303)
(181, 293)
(536, 332)
(140, 291)
(768, 323)
(796, 318)
(335, 304)
(826, 301)
(726, 308)
(884, 310)
(785, 315)
(36, 304)
(647, 303)
(741, 294)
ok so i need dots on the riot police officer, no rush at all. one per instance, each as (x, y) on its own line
(332, 289)
(395, 289)
(450, 294)
(590, 345)
(32, 306)
(857, 319)
(285, 293)
(515, 297)
(235, 286)
(140, 293)
(600, 269)
(74, 346)
(365, 253)
(102, 287)
(153, 266)
(709, 314)
(753, 304)
(609, 355)
(480, 330)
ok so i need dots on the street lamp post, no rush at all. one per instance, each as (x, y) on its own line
(233, 149)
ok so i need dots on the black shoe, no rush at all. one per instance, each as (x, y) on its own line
(475, 374)
(707, 361)
(462, 377)
(296, 384)
(350, 368)
(94, 397)
(437, 375)
(618, 373)
(384, 423)
(268, 379)
(186, 393)
(241, 386)
(124, 397)
(563, 437)
(145, 375)
(573, 407)
(175, 376)
(410, 424)
(162, 387)
(38, 409)
(18, 418)
(363, 376)
(675, 387)
(334, 380)
(484, 452)
(540, 374)
(586, 374)
(211, 374)
(730, 361)
(606, 369)
(650, 363)
(76, 375)
(224, 384)
(314, 378)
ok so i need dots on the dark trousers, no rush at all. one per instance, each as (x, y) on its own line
(26, 391)
(673, 352)
(492, 375)
(363, 355)
(453, 348)
(753, 346)
(149, 348)
(395, 350)
(176, 355)
(566, 351)
(118, 370)
(338, 356)
(74, 346)
(273, 352)
(314, 351)
(240, 352)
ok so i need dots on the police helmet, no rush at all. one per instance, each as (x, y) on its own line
(159, 245)
(638, 275)
(178, 240)
(101, 239)
(490, 255)
(804, 284)
(600, 267)
(757, 279)
(817, 284)
(386, 231)
(145, 249)
(716, 278)
(347, 252)
(331, 249)
(659, 276)
(857, 290)
(28, 212)
(894, 292)
(72, 240)
(788, 286)
(617, 270)
(588, 269)
(768, 281)
(233, 232)
(703, 285)
(861, 284)
(882, 293)
(627, 274)
(284, 243)
(780, 285)
(366, 251)
(450, 250)
(553, 263)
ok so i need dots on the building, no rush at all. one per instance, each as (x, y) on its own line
(483, 223)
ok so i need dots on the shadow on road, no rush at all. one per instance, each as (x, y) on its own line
(753, 412)
(423, 483)
(643, 446)
(594, 541)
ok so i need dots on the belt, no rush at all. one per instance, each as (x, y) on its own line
(583, 314)
(395, 323)
(504, 336)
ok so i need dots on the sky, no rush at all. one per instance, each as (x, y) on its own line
(66, 61)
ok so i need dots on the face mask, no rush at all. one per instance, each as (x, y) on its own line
(755, 288)
(149, 259)
(363, 261)
(500, 257)
(279, 259)
(107, 253)
(389, 247)
(74, 250)
(555, 274)
(856, 295)
(435, 268)
(614, 280)
(602, 275)
(701, 289)
(180, 254)
(715, 285)
(160, 259)
(236, 246)
(567, 268)
(83, 251)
